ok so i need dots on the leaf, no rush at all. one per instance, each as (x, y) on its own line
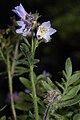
(19, 55)
(3, 108)
(35, 44)
(68, 68)
(23, 106)
(59, 85)
(31, 115)
(35, 61)
(67, 90)
(76, 117)
(20, 70)
(24, 48)
(41, 77)
(30, 58)
(25, 82)
(46, 85)
(70, 102)
(26, 63)
(74, 78)
(22, 117)
(59, 117)
(51, 83)
(72, 93)
(3, 118)
(25, 96)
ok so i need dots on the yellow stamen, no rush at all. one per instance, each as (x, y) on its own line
(42, 30)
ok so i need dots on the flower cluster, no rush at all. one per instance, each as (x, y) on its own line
(25, 20)
(26, 24)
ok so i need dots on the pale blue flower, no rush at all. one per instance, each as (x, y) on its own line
(15, 97)
(25, 23)
(44, 31)
(27, 91)
(20, 11)
(46, 73)
(24, 28)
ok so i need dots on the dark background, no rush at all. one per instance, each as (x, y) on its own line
(65, 17)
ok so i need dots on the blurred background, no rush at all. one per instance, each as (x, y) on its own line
(65, 17)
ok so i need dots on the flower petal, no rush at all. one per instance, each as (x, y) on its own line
(20, 11)
(45, 30)
(25, 33)
(46, 24)
(19, 30)
(51, 31)
(47, 38)
(20, 23)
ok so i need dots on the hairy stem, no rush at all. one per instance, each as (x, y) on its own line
(34, 93)
(11, 88)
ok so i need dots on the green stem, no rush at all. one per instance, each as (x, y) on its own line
(3, 57)
(11, 88)
(26, 41)
(34, 93)
(14, 59)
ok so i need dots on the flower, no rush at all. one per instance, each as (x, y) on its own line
(45, 30)
(25, 23)
(46, 73)
(27, 91)
(25, 27)
(15, 97)
(20, 11)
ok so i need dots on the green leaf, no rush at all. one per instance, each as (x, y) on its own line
(72, 93)
(41, 77)
(69, 113)
(59, 117)
(68, 68)
(46, 85)
(31, 115)
(61, 86)
(24, 48)
(20, 70)
(35, 61)
(25, 82)
(26, 63)
(19, 55)
(35, 44)
(23, 106)
(22, 117)
(25, 96)
(30, 58)
(3, 118)
(74, 78)
(51, 83)
(70, 102)
(76, 117)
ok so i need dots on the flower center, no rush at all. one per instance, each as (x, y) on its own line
(27, 27)
(42, 30)
(26, 17)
